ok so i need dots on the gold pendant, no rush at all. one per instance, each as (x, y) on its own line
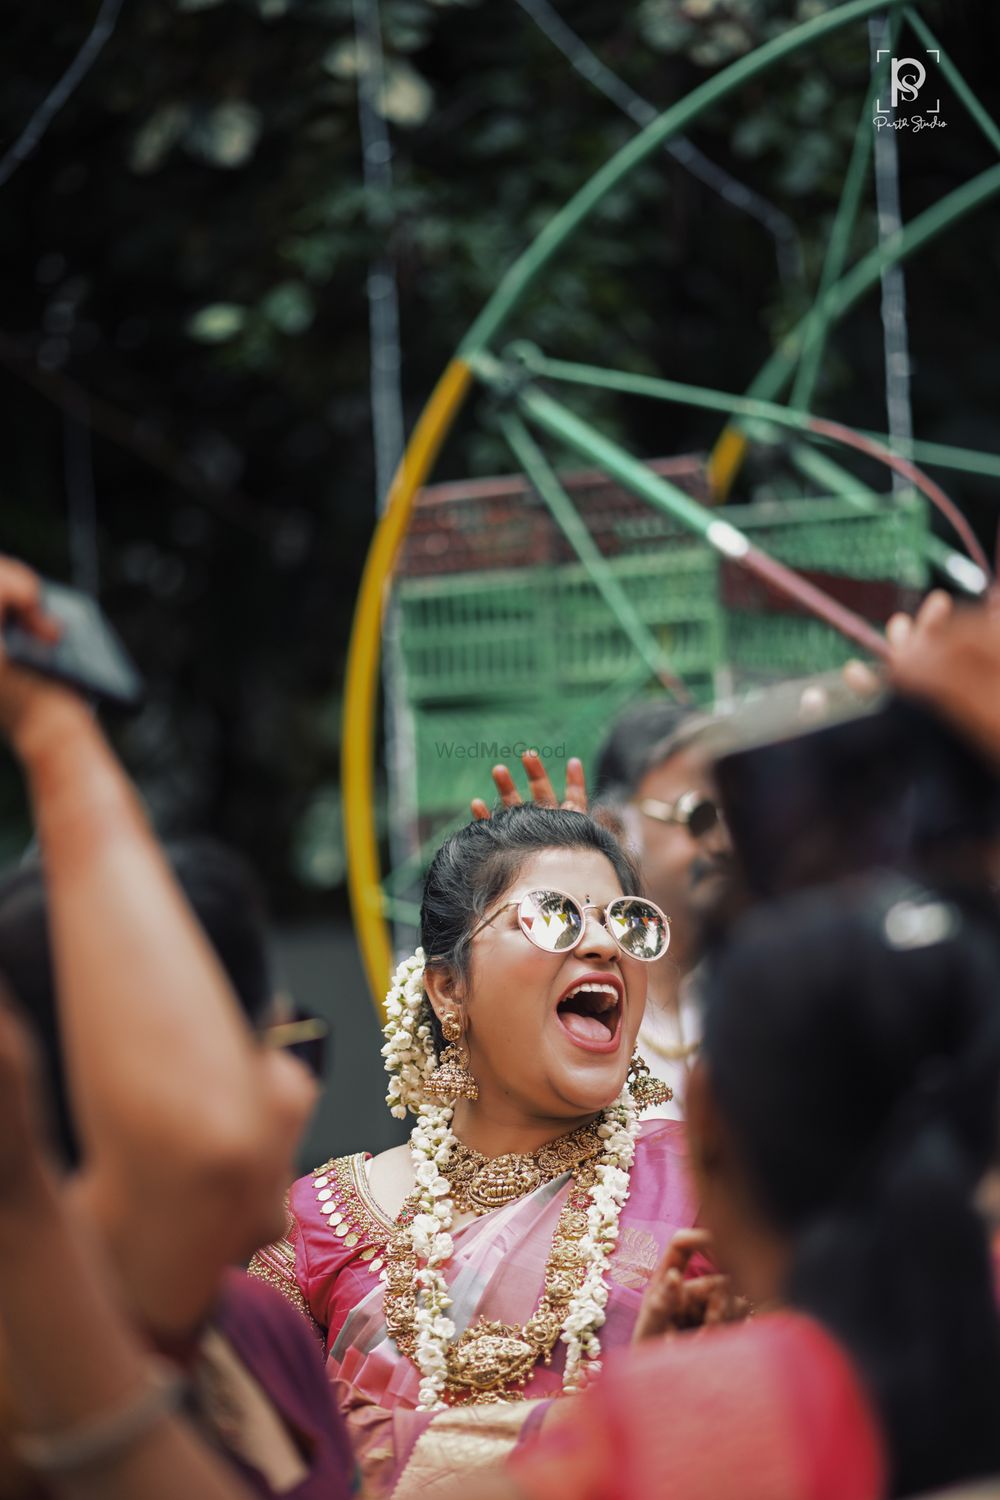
(488, 1357)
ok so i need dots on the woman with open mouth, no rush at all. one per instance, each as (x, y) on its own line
(464, 1280)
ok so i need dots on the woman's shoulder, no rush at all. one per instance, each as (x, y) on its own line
(661, 1142)
(662, 1199)
(332, 1222)
(333, 1205)
(663, 1135)
(390, 1179)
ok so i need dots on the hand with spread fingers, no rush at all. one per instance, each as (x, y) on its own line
(900, 631)
(674, 1301)
(540, 785)
(949, 658)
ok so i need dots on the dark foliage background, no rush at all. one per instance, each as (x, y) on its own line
(183, 319)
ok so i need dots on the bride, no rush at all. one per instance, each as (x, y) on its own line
(461, 1281)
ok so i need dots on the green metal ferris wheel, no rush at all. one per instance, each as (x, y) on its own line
(579, 613)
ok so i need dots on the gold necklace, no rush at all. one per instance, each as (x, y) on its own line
(480, 1184)
(490, 1358)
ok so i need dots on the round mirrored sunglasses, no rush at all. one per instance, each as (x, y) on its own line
(555, 922)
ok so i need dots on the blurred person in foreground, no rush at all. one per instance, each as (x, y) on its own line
(94, 1416)
(224, 895)
(653, 787)
(186, 1129)
(841, 1117)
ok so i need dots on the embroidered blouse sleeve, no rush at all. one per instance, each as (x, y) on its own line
(285, 1263)
(332, 1225)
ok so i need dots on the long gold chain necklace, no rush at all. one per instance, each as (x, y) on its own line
(490, 1358)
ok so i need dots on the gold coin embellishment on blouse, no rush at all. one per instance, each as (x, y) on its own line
(352, 1240)
(332, 1212)
(368, 1253)
(320, 1182)
(342, 1230)
(376, 1266)
(324, 1195)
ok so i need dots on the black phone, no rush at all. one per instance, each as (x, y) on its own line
(87, 656)
(890, 786)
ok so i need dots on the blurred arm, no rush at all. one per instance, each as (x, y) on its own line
(72, 1356)
(76, 1361)
(170, 1091)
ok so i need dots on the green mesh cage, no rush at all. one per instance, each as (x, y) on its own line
(499, 659)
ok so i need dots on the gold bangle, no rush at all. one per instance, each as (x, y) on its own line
(105, 1436)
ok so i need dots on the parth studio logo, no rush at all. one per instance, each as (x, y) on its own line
(907, 77)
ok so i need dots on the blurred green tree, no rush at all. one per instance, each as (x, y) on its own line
(183, 323)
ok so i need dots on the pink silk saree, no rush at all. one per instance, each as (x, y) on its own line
(329, 1266)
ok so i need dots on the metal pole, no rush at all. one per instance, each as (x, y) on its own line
(569, 218)
(387, 431)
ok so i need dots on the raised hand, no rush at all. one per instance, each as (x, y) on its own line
(950, 659)
(674, 1300)
(25, 696)
(901, 630)
(539, 784)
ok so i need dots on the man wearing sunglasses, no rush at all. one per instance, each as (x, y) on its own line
(653, 773)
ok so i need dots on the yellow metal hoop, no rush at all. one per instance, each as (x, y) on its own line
(361, 683)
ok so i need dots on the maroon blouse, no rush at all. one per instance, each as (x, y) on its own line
(276, 1346)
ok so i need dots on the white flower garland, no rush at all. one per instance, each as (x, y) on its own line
(585, 1315)
(410, 1061)
(409, 1044)
(430, 1147)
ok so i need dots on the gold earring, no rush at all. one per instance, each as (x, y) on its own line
(451, 1078)
(647, 1091)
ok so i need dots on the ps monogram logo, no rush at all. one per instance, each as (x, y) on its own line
(908, 83)
(907, 76)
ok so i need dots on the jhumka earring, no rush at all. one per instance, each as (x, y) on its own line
(451, 1078)
(648, 1092)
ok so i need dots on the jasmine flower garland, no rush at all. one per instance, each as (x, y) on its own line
(417, 1313)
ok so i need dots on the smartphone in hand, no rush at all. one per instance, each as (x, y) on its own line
(87, 656)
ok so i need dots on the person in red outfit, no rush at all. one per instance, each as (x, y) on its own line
(841, 1118)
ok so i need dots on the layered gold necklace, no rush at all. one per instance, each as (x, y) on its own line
(490, 1358)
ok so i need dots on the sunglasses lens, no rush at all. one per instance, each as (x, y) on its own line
(702, 818)
(312, 1055)
(305, 1038)
(550, 920)
(638, 927)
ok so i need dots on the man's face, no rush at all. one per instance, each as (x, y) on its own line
(685, 875)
